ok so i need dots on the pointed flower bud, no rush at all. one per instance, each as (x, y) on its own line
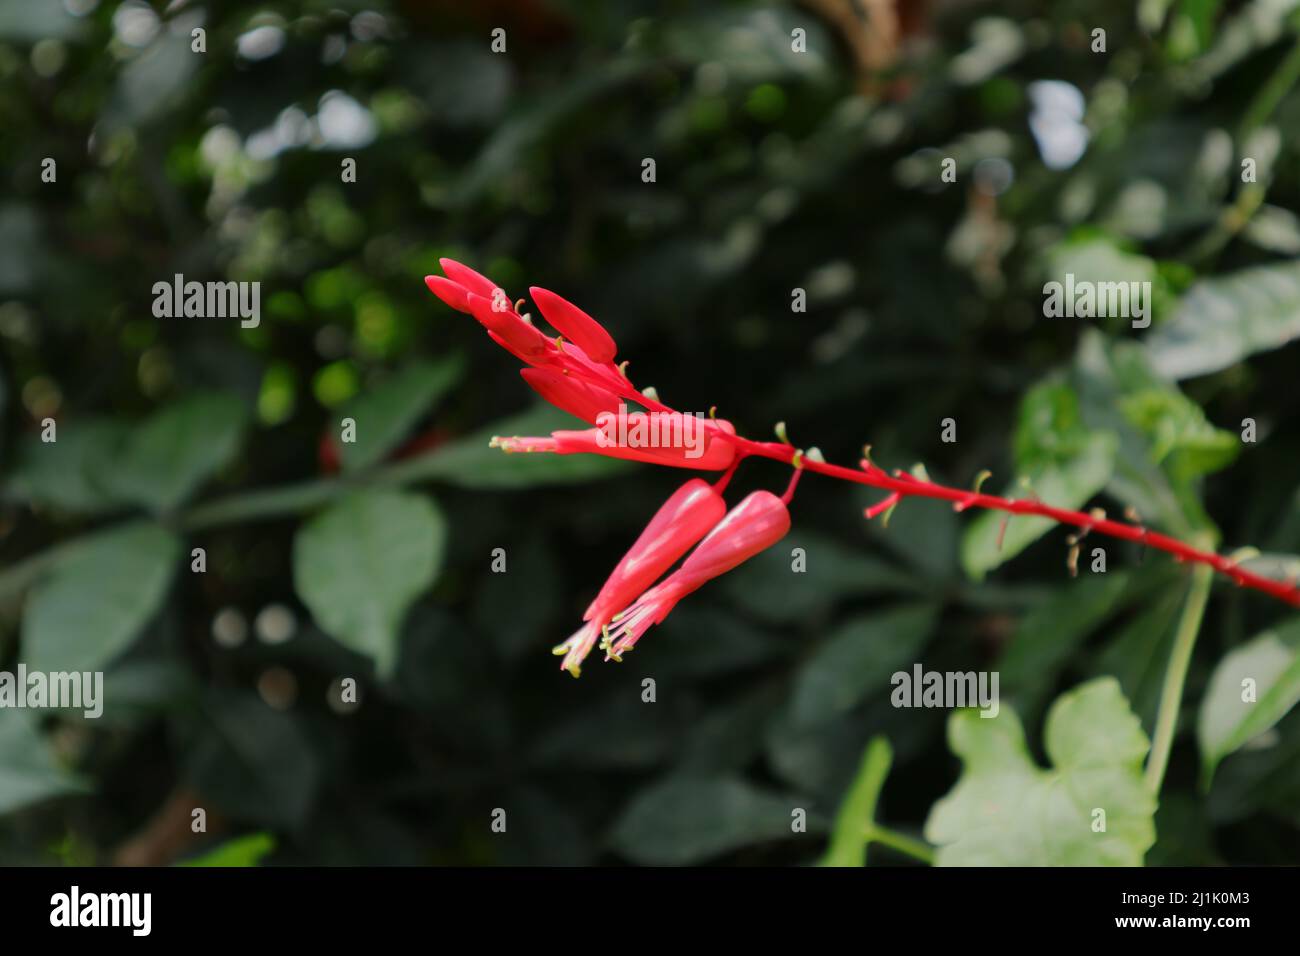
(464, 276)
(679, 523)
(508, 327)
(449, 292)
(575, 325)
(570, 394)
(754, 525)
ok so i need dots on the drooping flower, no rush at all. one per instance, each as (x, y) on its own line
(679, 523)
(670, 438)
(757, 523)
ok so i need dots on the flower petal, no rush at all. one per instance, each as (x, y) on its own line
(463, 275)
(521, 338)
(449, 292)
(566, 392)
(576, 325)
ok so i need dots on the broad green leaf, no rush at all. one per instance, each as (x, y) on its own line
(1064, 462)
(1067, 485)
(644, 738)
(1225, 319)
(923, 533)
(241, 851)
(1007, 811)
(1182, 440)
(730, 734)
(1251, 689)
(705, 640)
(28, 771)
(806, 574)
(165, 460)
(1104, 375)
(752, 45)
(359, 565)
(386, 414)
(858, 810)
(1137, 655)
(532, 570)
(254, 763)
(67, 473)
(1049, 634)
(685, 820)
(98, 598)
(1097, 259)
(471, 463)
(857, 659)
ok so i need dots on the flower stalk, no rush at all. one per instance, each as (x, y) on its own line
(580, 376)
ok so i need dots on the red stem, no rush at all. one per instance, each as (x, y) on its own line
(908, 485)
(904, 485)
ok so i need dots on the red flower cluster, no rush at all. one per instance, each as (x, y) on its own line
(575, 371)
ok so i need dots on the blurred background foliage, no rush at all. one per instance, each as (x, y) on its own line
(775, 170)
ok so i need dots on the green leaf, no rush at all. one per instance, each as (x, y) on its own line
(1049, 634)
(471, 463)
(164, 461)
(67, 473)
(1227, 318)
(386, 414)
(98, 598)
(242, 851)
(858, 659)
(1007, 811)
(359, 565)
(1097, 259)
(858, 811)
(28, 771)
(1065, 463)
(685, 820)
(254, 763)
(1067, 485)
(768, 586)
(1104, 375)
(1230, 717)
(923, 533)
(1138, 655)
(1182, 439)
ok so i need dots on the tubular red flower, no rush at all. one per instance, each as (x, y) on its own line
(508, 328)
(464, 276)
(691, 513)
(449, 292)
(754, 525)
(679, 523)
(570, 394)
(575, 325)
(697, 447)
